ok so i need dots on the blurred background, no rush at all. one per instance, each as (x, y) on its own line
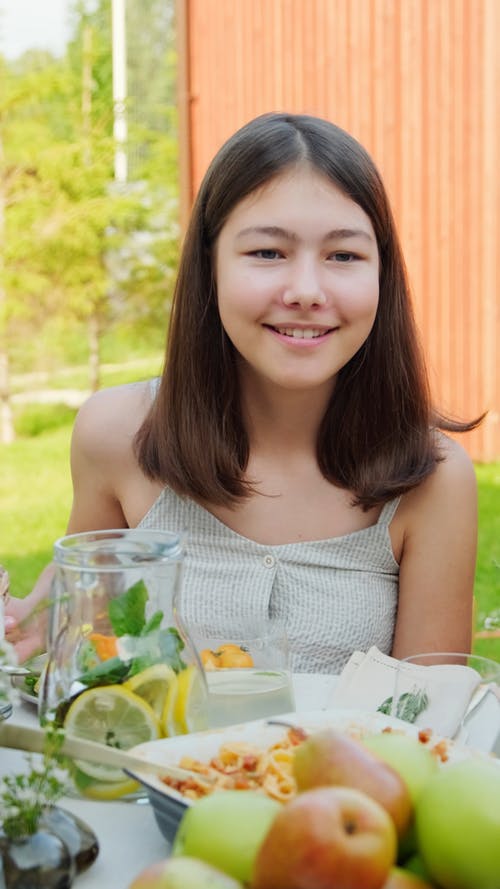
(110, 111)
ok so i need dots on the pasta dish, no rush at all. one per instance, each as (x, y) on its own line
(243, 766)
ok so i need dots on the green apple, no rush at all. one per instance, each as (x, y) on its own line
(415, 865)
(226, 829)
(403, 879)
(183, 873)
(408, 756)
(458, 825)
(414, 763)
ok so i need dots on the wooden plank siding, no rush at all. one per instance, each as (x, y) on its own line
(417, 82)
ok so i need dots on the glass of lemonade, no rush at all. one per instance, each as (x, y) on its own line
(246, 668)
(119, 670)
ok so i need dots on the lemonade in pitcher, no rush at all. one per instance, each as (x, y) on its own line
(119, 671)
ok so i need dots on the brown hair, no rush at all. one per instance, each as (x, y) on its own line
(376, 438)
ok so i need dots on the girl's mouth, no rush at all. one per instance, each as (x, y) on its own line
(301, 333)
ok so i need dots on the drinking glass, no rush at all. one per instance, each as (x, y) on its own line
(246, 667)
(456, 694)
(5, 702)
(119, 670)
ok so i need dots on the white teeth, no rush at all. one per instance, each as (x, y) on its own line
(300, 333)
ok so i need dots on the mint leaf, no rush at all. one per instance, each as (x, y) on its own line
(127, 612)
(154, 623)
(108, 673)
(171, 645)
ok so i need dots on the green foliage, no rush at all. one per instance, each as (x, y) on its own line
(36, 419)
(80, 251)
(488, 557)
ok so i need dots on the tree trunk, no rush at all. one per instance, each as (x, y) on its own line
(7, 433)
(94, 357)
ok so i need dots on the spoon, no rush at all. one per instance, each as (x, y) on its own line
(14, 670)
(21, 737)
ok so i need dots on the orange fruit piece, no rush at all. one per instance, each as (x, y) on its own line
(231, 655)
(105, 646)
(227, 655)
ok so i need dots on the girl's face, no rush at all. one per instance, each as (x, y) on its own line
(297, 273)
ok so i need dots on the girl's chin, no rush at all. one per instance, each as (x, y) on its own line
(291, 383)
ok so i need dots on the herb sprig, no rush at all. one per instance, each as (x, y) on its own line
(25, 797)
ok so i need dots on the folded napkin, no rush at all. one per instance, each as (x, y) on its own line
(436, 696)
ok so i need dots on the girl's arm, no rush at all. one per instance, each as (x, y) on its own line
(438, 559)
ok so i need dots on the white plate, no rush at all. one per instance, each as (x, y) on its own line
(36, 665)
(24, 694)
(169, 804)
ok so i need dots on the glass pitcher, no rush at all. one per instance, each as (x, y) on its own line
(120, 670)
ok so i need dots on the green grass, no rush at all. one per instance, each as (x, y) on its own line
(35, 480)
(35, 493)
(35, 498)
(487, 586)
(78, 378)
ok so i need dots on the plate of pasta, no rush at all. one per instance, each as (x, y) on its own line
(255, 756)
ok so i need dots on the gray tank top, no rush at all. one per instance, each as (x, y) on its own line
(335, 596)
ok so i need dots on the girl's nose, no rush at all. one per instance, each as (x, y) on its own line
(304, 288)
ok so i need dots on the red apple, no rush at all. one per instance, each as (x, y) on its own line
(327, 838)
(329, 757)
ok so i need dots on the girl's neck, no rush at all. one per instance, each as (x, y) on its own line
(278, 419)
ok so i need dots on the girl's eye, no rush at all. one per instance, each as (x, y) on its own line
(266, 254)
(343, 257)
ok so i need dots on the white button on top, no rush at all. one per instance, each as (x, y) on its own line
(269, 561)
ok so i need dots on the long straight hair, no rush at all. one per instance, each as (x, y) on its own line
(377, 438)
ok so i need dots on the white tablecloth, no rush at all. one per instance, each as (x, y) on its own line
(128, 836)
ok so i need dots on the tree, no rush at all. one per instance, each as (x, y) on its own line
(72, 241)
(23, 196)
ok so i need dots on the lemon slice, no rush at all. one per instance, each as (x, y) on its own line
(103, 790)
(188, 706)
(168, 724)
(112, 715)
(152, 685)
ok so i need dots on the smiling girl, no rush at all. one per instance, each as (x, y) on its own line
(292, 431)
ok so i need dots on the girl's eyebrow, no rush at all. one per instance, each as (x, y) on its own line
(271, 230)
(276, 231)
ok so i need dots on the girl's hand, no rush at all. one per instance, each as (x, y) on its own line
(25, 620)
(25, 628)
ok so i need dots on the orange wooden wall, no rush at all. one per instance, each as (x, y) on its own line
(417, 82)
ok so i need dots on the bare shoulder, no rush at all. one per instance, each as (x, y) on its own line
(453, 482)
(448, 494)
(453, 477)
(108, 421)
(456, 461)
